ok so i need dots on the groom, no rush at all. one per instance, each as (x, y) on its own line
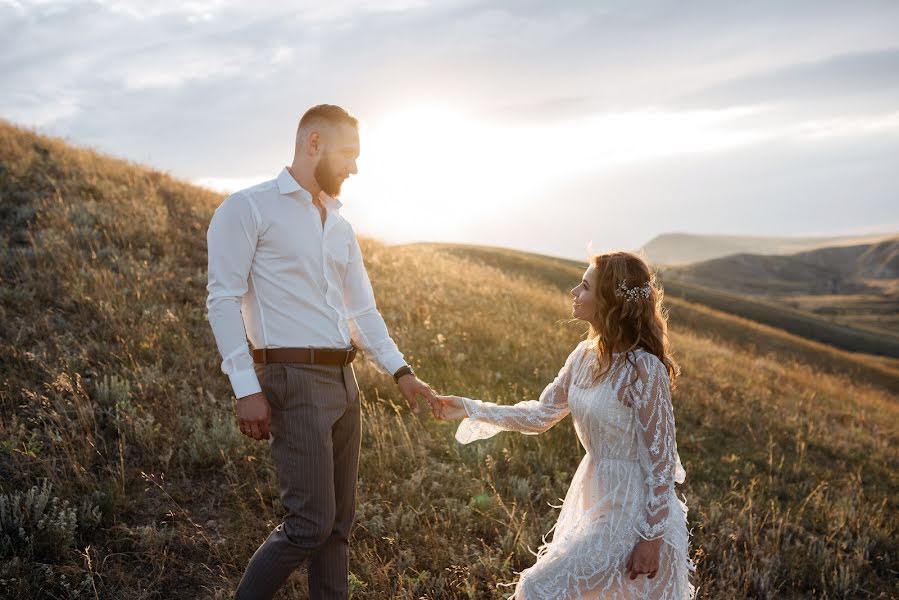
(286, 272)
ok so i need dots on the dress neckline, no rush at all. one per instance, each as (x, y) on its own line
(591, 346)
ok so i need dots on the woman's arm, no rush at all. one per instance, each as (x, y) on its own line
(656, 444)
(482, 420)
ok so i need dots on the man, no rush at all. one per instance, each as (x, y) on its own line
(285, 271)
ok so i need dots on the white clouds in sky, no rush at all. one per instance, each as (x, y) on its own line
(530, 97)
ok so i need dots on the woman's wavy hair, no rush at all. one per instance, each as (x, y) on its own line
(630, 313)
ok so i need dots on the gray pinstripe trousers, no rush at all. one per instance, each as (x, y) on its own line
(315, 437)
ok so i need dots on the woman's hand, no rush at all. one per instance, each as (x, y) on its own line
(450, 408)
(644, 560)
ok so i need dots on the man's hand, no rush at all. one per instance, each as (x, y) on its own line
(254, 415)
(644, 560)
(411, 386)
(450, 408)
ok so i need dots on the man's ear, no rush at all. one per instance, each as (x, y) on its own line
(314, 143)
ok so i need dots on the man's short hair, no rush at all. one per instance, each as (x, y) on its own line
(327, 114)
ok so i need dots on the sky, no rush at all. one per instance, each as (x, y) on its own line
(554, 127)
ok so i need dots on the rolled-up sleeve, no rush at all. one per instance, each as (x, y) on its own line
(231, 242)
(367, 326)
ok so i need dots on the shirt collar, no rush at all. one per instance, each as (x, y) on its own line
(331, 203)
(288, 185)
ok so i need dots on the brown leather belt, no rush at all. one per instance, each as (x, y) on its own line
(310, 356)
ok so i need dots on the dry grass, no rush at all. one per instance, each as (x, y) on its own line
(112, 402)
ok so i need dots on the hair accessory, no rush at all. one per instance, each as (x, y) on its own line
(631, 294)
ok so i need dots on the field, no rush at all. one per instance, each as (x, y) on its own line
(862, 311)
(122, 474)
(777, 313)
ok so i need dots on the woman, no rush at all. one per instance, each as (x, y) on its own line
(622, 531)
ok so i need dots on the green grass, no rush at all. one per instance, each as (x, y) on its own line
(111, 401)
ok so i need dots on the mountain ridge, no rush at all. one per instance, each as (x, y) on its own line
(676, 249)
(826, 270)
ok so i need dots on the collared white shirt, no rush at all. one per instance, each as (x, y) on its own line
(280, 279)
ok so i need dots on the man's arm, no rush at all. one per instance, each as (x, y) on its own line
(370, 333)
(231, 243)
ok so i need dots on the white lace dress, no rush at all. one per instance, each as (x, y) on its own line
(623, 489)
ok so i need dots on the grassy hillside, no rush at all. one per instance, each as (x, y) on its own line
(690, 307)
(113, 407)
(683, 248)
(752, 314)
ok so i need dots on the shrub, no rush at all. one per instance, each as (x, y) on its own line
(36, 524)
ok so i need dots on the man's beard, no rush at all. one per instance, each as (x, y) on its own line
(326, 178)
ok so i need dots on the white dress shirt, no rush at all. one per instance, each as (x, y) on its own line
(280, 279)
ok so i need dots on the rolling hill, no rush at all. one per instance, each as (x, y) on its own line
(852, 286)
(122, 474)
(856, 269)
(735, 319)
(672, 249)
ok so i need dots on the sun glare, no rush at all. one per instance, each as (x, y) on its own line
(433, 172)
(433, 165)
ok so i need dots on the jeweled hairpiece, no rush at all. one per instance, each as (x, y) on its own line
(631, 294)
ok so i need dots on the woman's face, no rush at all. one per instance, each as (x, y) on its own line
(583, 305)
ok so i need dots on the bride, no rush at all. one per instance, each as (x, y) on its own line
(622, 531)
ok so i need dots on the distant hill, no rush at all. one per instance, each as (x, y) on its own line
(854, 285)
(831, 270)
(684, 248)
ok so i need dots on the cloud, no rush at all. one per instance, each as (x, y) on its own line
(192, 10)
(834, 78)
(213, 89)
(777, 187)
(850, 126)
(195, 11)
(158, 72)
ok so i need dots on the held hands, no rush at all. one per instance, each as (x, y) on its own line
(445, 408)
(449, 408)
(644, 560)
(254, 415)
(411, 387)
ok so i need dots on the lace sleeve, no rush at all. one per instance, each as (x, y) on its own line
(486, 419)
(657, 448)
